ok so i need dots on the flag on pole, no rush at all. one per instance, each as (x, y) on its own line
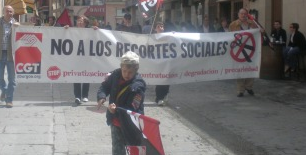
(141, 133)
(64, 19)
(148, 8)
(265, 38)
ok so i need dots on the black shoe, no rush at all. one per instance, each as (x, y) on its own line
(240, 95)
(251, 92)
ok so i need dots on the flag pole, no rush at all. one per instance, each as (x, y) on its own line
(154, 21)
(260, 26)
(152, 24)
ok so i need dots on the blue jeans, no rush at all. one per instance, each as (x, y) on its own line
(289, 55)
(10, 68)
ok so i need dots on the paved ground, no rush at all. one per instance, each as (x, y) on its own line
(204, 118)
(43, 122)
(270, 123)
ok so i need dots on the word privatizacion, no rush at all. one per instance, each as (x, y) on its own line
(243, 69)
(201, 72)
(83, 73)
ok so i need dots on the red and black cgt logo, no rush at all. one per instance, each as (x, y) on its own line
(28, 57)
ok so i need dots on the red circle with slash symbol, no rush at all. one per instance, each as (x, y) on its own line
(243, 47)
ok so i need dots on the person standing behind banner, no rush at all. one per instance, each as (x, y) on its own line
(243, 23)
(146, 29)
(206, 27)
(108, 26)
(224, 26)
(127, 25)
(6, 54)
(52, 21)
(161, 91)
(126, 89)
(81, 89)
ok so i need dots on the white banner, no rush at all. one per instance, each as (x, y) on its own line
(85, 55)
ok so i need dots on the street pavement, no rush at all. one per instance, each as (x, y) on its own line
(203, 118)
(270, 123)
(44, 121)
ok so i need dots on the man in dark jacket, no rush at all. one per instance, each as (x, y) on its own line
(278, 33)
(296, 45)
(125, 89)
(127, 25)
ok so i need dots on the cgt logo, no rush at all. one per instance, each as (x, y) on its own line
(28, 38)
(27, 57)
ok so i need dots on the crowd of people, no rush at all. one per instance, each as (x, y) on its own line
(124, 86)
(296, 44)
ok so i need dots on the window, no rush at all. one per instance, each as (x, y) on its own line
(88, 2)
(78, 2)
(98, 2)
(119, 13)
(44, 2)
(67, 3)
(237, 7)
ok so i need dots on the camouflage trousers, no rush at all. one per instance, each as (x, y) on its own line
(118, 144)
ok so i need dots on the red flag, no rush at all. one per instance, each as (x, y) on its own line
(148, 8)
(141, 133)
(64, 19)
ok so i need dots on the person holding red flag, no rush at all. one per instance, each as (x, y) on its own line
(126, 89)
(243, 23)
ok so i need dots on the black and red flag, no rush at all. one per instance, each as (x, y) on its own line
(141, 133)
(148, 8)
